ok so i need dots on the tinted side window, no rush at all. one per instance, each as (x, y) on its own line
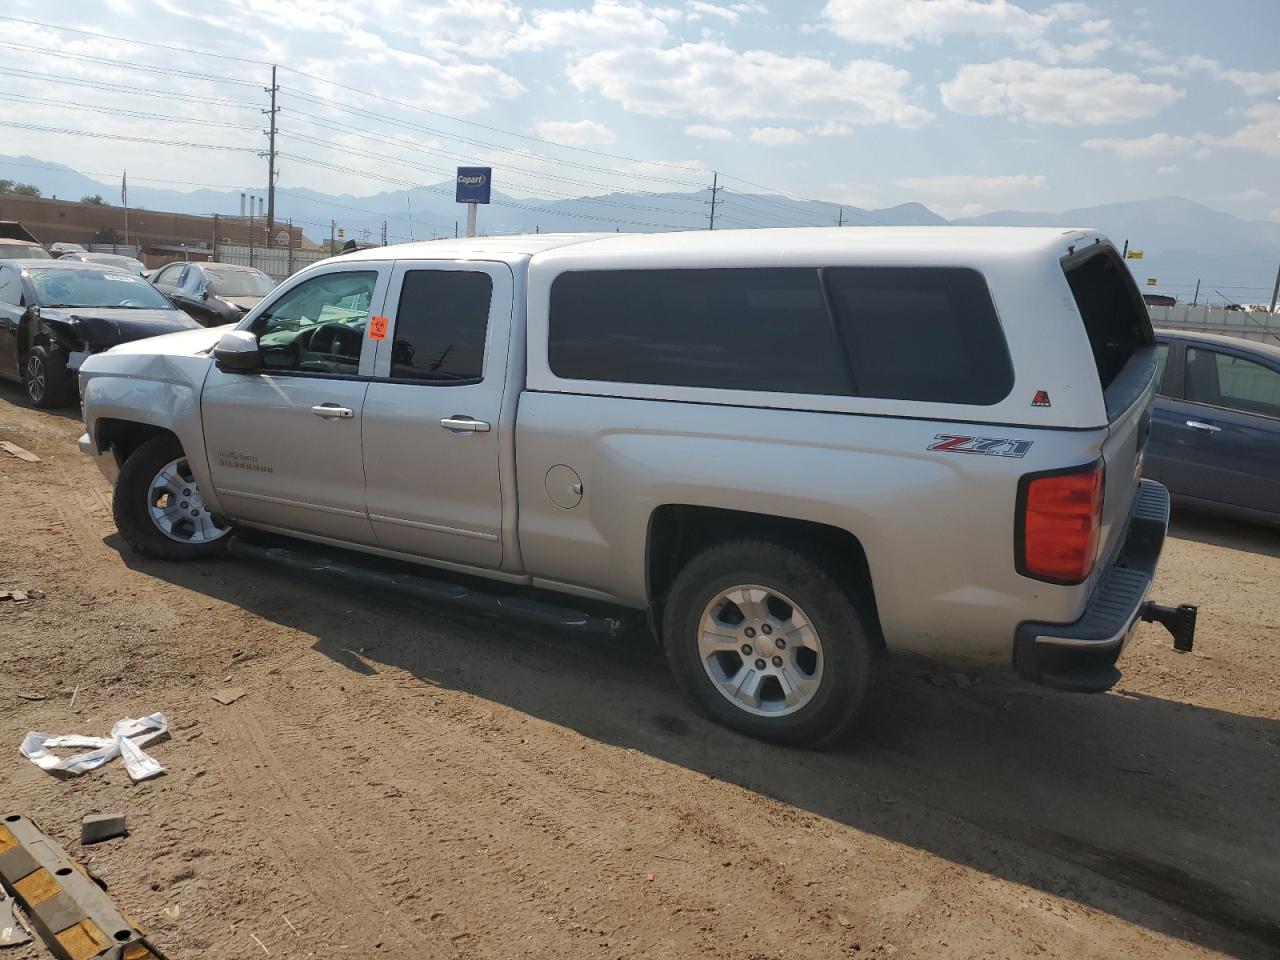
(733, 329)
(1233, 382)
(167, 279)
(441, 324)
(319, 325)
(921, 333)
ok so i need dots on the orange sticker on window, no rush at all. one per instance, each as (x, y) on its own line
(378, 328)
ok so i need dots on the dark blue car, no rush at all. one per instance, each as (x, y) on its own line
(1215, 436)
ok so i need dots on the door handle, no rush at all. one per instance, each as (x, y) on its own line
(1207, 427)
(331, 411)
(461, 424)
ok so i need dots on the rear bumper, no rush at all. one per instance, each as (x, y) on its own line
(1081, 656)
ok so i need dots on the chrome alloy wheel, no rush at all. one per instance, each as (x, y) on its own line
(760, 650)
(36, 379)
(177, 508)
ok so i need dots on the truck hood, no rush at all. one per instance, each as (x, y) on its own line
(101, 327)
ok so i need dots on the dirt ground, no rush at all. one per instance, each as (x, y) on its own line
(405, 782)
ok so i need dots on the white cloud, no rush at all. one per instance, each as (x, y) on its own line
(1168, 169)
(606, 23)
(1067, 96)
(711, 80)
(776, 136)
(706, 132)
(1254, 83)
(970, 185)
(900, 23)
(1154, 145)
(831, 129)
(1259, 134)
(699, 9)
(1082, 52)
(575, 133)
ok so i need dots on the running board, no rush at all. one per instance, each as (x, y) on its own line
(329, 565)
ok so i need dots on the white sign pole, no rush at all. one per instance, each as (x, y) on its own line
(471, 219)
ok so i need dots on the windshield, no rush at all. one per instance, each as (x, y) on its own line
(21, 251)
(92, 287)
(239, 283)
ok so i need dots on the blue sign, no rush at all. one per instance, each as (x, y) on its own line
(473, 184)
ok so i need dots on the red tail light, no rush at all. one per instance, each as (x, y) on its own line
(1059, 522)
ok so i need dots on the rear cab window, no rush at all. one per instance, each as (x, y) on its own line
(905, 333)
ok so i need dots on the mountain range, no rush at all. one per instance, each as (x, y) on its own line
(1182, 241)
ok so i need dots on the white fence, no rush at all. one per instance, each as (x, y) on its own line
(277, 263)
(1247, 324)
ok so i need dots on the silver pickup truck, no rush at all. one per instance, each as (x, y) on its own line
(794, 449)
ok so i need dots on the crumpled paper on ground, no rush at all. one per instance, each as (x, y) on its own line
(127, 738)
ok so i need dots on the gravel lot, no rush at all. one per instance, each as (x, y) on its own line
(404, 782)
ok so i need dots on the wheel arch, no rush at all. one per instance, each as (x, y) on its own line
(122, 436)
(678, 532)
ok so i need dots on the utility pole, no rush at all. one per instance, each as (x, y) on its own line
(333, 237)
(1196, 299)
(1275, 293)
(384, 233)
(291, 248)
(715, 189)
(840, 218)
(271, 154)
(1125, 254)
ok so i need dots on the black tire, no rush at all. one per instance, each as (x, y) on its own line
(131, 508)
(45, 377)
(852, 652)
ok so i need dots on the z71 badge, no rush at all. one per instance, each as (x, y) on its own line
(987, 446)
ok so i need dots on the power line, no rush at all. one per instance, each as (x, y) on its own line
(137, 114)
(449, 173)
(108, 61)
(328, 123)
(63, 80)
(364, 93)
(114, 136)
(399, 122)
(502, 203)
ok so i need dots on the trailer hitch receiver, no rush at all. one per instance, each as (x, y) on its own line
(1180, 621)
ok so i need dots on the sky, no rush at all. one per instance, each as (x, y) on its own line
(967, 106)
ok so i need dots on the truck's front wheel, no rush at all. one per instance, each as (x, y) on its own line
(771, 643)
(158, 508)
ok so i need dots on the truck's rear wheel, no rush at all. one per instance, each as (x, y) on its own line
(159, 509)
(771, 643)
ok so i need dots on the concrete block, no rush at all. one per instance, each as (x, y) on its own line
(97, 827)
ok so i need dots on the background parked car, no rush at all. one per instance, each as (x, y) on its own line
(108, 259)
(213, 293)
(22, 250)
(1215, 435)
(55, 313)
(62, 248)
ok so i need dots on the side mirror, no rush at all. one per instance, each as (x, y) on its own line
(238, 352)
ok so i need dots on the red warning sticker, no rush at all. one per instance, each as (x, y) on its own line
(378, 328)
(1041, 399)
